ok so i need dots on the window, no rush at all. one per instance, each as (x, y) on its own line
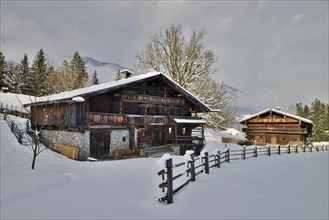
(183, 130)
(169, 130)
(124, 139)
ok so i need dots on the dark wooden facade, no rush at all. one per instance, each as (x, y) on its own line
(147, 109)
(273, 127)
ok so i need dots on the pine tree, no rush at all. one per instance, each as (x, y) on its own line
(318, 118)
(118, 76)
(39, 70)
(299, 109)
(3, 67)
(95, 79)
(13, 78)
(318, 112)
(24, 70)
(78, 68)
(326, 122)
(306, 112)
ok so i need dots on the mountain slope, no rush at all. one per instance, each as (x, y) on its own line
(106, 71)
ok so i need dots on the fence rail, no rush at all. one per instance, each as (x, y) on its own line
(13, 110)
(197, 165)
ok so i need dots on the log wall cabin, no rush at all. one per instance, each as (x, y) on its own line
(273, 127)
(122, 117)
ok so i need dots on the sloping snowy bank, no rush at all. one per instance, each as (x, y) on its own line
(277, 187)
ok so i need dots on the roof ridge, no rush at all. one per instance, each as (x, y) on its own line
(277, 111)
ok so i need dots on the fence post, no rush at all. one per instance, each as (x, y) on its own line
(296, 148)
(317, 148)
(228, 155)
(192, 168)
(206, 163)
(27, 125)
(279, 149)
(269, 150)
(170, 192)
(288, 149)
(20, 136)
(218, 159)
(5, 115)
(255, 151)
(244, 153)
(311, 148)
(322, 148)
(304, 148)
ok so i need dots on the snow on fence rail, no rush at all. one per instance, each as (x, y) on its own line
(182, 173)
(13, 110)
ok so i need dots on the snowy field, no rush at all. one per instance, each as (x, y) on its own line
(291, 186)
(14, 101)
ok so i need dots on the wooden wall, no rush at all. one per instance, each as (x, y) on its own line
(63, 115)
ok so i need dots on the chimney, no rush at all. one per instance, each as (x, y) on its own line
(278, 108)
(125, 73)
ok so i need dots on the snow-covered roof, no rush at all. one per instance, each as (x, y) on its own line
(278, 112)
(114, 85)
(189, 121)
(126, 70)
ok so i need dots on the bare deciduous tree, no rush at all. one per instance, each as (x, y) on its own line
(190, 65)
(184, 61)
(217, 96)
(32, 129)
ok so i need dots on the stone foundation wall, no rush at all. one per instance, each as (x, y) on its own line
(72, 138)
(119, 139)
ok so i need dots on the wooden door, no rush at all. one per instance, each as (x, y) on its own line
(273, 140)
(156, 137)
(100, 144)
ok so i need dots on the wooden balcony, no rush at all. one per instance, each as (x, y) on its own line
(275, 130)
(152, 99)
(96, 118)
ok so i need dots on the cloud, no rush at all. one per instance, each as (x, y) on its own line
(267, 49)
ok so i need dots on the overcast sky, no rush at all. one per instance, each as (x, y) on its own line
(275, 52)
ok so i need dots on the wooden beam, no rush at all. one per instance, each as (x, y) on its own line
(176, 134)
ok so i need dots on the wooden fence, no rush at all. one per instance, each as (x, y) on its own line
(197, 165)
(13, 110)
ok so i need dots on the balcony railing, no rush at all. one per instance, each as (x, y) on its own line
(276, 130)
(108, 118)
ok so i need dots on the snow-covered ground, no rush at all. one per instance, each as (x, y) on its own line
(291, 186)
(14, 101)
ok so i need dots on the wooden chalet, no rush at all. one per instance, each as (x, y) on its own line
(273, 127)
(121, 118)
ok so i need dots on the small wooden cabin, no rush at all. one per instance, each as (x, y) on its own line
(273, 126)
(122, 117)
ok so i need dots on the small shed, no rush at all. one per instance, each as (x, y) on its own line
(273, 126)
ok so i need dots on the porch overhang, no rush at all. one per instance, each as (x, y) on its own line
(190, 120)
